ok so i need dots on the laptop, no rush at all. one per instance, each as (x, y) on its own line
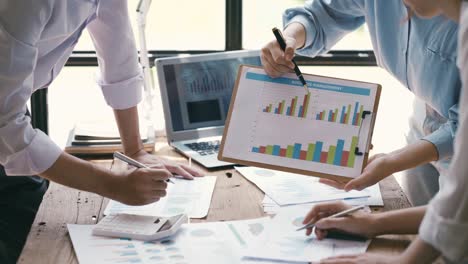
(196, 92)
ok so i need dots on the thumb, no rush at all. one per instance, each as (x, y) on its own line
(331, 223)
(360, 183)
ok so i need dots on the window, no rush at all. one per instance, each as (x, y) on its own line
(178, 25)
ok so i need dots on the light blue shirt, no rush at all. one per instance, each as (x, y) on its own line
(420, 53)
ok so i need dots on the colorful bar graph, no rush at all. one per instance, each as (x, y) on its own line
(335, 155)
(293, 109)
(344, 116)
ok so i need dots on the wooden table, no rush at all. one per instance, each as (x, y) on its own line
(234, 198)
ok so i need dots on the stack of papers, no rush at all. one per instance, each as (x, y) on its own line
(283, 243)
(217, 242)
(283, 189)
(192, 197)
(90, 138)
(252, 241)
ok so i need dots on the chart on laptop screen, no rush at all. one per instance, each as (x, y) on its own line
(275, 122)
(200, 92)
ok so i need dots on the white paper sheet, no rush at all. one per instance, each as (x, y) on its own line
(271, 207)
(192, 197)
(290, 189)
(217, 242)
(286, 244)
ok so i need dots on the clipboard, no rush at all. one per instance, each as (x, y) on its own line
(273, 123)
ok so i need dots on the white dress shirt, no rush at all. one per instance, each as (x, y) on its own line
(445, 225)
(36, 39)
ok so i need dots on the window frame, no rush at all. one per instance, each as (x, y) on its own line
(233, 41)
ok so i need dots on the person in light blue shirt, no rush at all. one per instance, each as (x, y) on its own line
(420, 53)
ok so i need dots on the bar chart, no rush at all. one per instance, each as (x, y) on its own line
(291, 108)
(315, 152)
(275, 123)
(343, 116)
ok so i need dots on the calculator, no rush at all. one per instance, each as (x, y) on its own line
(139, 227)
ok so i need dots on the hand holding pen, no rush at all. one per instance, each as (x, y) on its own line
(278, 56)
(133, 162)
(351, 220)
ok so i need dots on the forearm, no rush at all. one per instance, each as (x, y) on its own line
(412, 156)
(404, 221)
(297, 32)
(420, 252)
(80, 174)
(127, 121)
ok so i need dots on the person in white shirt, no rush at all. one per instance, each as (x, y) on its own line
(442, 224)
(36, 39)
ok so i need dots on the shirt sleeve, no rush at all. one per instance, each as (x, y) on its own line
(326, 22)
(445, 224)
(23, 150)
(120, 74)
(443, 137)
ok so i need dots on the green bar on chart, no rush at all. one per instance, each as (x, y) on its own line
(348, 113)
(310, 152)
(331, 155)
(352, 155)
(360, 115)
(269, 150)
(290, 151)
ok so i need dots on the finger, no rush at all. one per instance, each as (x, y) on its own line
(153, 200)
(279, 69)
(159, 194)
(178, 170)
(275, 50)
(159, 174)
(332, 183)
(282, 63)
(159, 185)
(193, 171)
(289, 53)
(324, 209)
(360, 183)
(320, 234)
(156, 166)
(332, 223)
(268, 67)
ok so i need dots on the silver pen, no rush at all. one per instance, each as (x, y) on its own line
(340, 214)
(133, 162)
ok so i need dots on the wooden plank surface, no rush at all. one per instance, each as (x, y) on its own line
(234, 198)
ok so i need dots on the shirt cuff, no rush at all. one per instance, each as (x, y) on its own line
(308, 26)
(124, 94)
(446, 235)
(443, 141)
(36, 158)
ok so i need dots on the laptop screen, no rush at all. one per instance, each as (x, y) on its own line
(199, 93)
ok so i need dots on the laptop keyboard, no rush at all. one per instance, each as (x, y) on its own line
(205, 148)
